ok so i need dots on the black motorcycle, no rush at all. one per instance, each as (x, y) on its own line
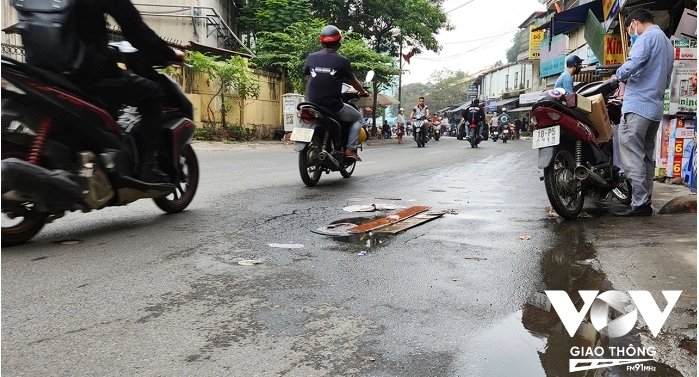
(321, 139)
(419, 135)
(63, 150)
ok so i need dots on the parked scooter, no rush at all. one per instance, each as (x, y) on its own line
(321, 139)
(575, 164)
(63, 151)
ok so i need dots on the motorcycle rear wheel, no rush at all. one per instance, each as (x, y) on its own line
(562, 188)
(29, 222)
(472, 138)
(186, 187)
(348, 170)
(310, 174)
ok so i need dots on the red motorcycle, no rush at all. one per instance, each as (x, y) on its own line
(575, 164)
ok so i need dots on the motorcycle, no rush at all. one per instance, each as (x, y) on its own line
(473, 136)
(575, 164)
(62, 150)
(494, 133)
(505, 134)
(321, 139)
(436, 130)
(419, 133)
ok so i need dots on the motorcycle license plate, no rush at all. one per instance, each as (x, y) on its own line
(546, 137)
(505, 131)
(304, 135)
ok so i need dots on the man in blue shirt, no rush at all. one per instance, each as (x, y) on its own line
(565, 80)
(647, 74)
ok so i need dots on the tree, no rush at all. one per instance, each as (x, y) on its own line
(498, 63)
(286, 52)
(450, 88)
(230, 77)
(514, 50)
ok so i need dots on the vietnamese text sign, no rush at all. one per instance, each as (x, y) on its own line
(535, 38)
(553, 55)
(613, 50)
(610, 9)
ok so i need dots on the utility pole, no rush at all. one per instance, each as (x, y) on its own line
(400, 75)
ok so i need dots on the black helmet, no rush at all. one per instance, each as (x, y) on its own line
(474, 102)
(330, 35)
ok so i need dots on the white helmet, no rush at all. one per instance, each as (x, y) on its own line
(504, 110)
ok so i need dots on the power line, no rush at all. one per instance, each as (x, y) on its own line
(480, 39)
(465, 52)
(464, 4)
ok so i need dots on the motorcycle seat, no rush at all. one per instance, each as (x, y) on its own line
(323, 110)
(564, 109)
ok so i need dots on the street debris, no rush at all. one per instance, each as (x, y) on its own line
(249, 262)
(286, 245)
(388, 220)
(335, 230)
(386, 198)
(372, 207)
(525, 238)
(476, 258)
(437, 190)
(362, 253)
(68, 242)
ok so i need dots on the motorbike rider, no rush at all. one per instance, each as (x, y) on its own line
(325, 72)
(474, 114)
(503, 120)
(421, 111)
(493, 122)
(99, 75)
(573, 67)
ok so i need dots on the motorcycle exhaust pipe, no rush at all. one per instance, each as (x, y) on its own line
(50, 190)
(588, 176)
(327, 160)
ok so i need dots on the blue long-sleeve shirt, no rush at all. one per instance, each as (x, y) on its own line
(565, 81)
(647, 74)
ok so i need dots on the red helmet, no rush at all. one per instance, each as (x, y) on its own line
(330, 35)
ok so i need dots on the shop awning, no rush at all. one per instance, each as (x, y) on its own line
(520, 109)
(572, 18)
(502, 103)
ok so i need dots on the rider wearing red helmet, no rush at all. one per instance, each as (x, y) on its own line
(325, 71)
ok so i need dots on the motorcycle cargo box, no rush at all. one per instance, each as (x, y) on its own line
(600, 118)
(578, 102)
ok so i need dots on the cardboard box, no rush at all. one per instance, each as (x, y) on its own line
(578, 102)
(600, 118)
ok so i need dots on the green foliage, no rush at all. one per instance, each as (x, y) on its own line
(272, 15)
(232, 77)
(513, 51)
(287, 52)
(498, 63)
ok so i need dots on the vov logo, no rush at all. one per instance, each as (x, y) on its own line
(598, 305)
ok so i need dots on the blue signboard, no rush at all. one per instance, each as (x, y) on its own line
(553, 55)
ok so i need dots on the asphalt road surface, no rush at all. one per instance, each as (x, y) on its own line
(131, 291)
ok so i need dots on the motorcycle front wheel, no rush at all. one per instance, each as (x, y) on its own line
(186, 185)
(622, 192)
(562, 188)
(24, 222)
(309, 166)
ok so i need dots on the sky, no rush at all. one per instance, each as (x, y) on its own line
(483, 33)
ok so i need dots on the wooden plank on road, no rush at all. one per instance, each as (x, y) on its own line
(410, 222)
(388, 220)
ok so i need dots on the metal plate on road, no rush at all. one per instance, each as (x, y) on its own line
(301, 134)
(546, 137)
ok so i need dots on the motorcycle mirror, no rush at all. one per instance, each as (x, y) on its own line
(369, 76)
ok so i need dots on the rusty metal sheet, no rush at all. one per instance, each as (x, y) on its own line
(410, 222)
(388, 220)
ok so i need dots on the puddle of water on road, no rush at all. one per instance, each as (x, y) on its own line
(534, 339)
(367, 240)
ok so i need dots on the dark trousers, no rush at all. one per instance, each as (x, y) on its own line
(134, 90)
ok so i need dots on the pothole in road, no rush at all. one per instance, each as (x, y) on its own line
(339, 231)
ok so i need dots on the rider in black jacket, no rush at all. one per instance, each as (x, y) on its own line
(474, 114)
(100, 75)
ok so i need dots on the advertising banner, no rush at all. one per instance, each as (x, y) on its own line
(553, 55)
(683, 88)
(613, 51)
(610, 9)
(535, 38)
